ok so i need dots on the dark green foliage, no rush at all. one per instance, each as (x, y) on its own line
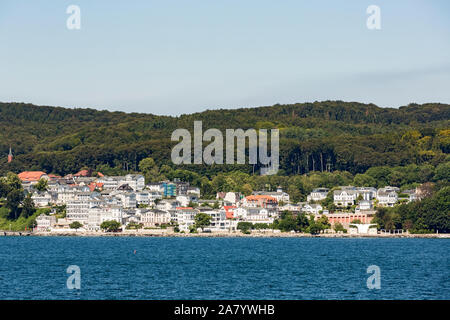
(343, 136)
(429, 215)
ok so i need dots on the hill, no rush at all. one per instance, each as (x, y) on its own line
(334, 135)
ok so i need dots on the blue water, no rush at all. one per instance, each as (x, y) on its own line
(223, 268)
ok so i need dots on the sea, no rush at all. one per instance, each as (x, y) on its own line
(194, 268)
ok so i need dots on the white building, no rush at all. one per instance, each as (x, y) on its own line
(45, 223)
(153, 218)
(387, 197)
(318, 194)
(41, 199)
(312, 209)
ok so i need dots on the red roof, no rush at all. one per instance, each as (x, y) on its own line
(30, 176)
(93, 185)
(228, 212)
(183, 208)
(82, 173)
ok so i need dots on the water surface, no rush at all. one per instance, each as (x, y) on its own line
(223, 268)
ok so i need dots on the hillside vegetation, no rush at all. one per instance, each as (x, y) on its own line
(334, 135)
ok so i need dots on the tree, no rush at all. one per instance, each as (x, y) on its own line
(364, 180)
(244, 227)
(41, 185)
(75, 225)
(28, 208)
(338, 227)
(149, 169)
(110, 226)
(202, 220)
(13, 200)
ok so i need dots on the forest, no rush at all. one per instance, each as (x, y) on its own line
(323, 136)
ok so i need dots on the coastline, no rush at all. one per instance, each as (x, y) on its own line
(170, 234)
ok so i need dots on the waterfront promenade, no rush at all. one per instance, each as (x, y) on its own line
(254, 234)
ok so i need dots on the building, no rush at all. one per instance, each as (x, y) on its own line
(387, 197)
(318, 194)
(346, 218)
(153, 218)
(32, 176)
(279, 195)
(312, 209)
(10, 155)
(45, 223)
(344, 197)
(41, 199)
(263, 201)
(169, 189)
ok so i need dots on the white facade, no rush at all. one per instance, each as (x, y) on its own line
(318, 194)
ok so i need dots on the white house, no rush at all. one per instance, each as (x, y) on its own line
(41, 199)
(387, 197)
(44, 222)
(152, 218)
(312, 209)
(318, 194)
(345, 197)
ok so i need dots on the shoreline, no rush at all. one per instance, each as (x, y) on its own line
(220, 235)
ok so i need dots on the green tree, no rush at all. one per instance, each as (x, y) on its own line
(28, 208)
(202, 220)
(13, 201)
(41, 185)
(75, 225)
(110, 226)
(244, 227)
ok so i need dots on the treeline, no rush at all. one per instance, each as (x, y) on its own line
(314, 137)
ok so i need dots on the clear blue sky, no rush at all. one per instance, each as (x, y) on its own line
(174, 57)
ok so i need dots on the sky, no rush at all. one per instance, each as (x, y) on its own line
(175, 57)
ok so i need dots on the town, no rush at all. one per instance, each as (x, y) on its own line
(96, 204)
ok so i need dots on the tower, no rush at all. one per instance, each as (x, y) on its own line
(10, 156)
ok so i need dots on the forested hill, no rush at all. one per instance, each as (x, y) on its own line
(339, 135)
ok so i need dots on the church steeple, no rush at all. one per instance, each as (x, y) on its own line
(10, 155)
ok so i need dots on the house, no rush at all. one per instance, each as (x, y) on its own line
(167, 204)
(229, 197)
(185, 218)
(32, 176)
(169, 189)
(219, 221)
(318, 194)
(255, 214)
(184, 200)
(153, 218)
(312, 209)
(41, 199)
(229, 211)
(135, 181)
(344, 197)
(410, 195)
(364, 205)
(263, 201)
(45, 223)
(279, 195)
(387, 197)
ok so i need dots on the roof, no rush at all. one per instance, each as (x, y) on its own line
(82, 173)
(31, 175)
(229, 213)
(260, 197)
